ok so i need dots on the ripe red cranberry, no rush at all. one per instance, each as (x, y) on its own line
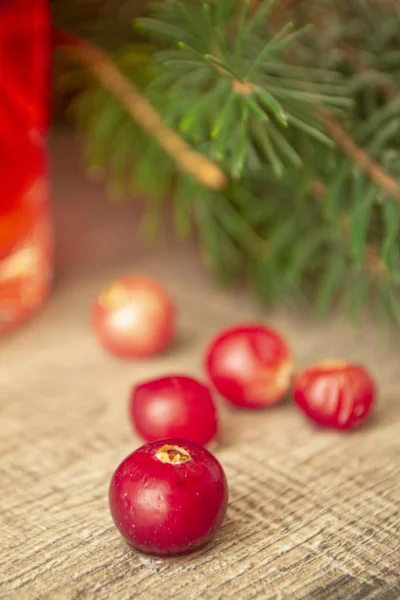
(250, 366)
(335, 394)
(133, 317)
(168, 497)
(174, 406)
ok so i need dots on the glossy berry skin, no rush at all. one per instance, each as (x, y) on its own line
(336, 394)
(133, 317)
(169, 497)
(250, 366)
(174, 406)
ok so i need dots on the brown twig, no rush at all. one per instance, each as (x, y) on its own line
(186, 158)
(374, 171)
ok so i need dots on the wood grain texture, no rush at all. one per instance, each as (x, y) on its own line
(312, 515)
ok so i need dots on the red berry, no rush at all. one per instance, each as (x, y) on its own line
(250, 366)
(335, 394)
(168, 497)
(174, 407)
(133, 317)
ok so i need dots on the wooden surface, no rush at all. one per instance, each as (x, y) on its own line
(312, 515)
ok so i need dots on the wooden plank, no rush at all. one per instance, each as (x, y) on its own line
(312, 514)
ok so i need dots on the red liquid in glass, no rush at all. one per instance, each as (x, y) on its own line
(25, 236)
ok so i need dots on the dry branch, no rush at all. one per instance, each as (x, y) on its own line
(374, 171)
(186, 158)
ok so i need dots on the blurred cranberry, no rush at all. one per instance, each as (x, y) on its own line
(250, 366)
(133, 317)
(174, 406)
(335, 394)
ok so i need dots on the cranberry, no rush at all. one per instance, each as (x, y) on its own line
(133, 317)
(250, 366)
(335, 394)
(168, 497)
(174, 406)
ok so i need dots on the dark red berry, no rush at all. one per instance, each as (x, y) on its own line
(168, 497)
(250, 366)
(174, 406)
(335, 394)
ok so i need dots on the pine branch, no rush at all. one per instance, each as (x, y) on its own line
(342, 138)
(360, 65)
(372, 261)
(187, 159)
(299, 219)
(356, 154)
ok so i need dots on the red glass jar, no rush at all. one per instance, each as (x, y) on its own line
(25, 228)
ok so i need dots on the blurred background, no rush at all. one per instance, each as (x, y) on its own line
(263, 134)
